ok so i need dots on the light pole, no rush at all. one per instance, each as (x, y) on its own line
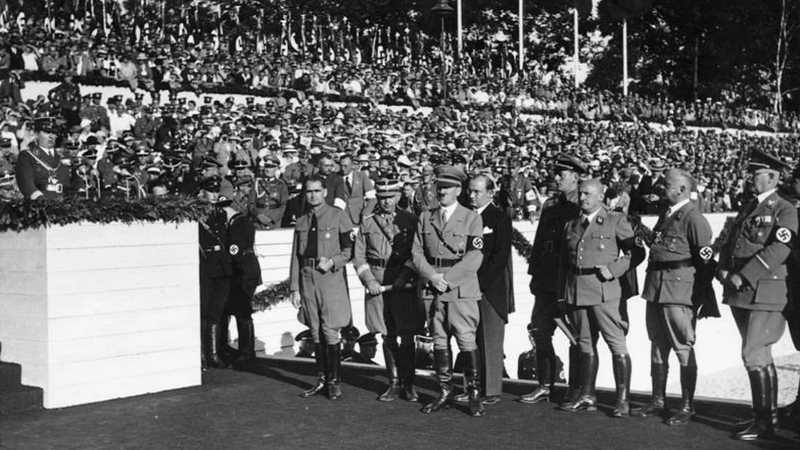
(443, 9)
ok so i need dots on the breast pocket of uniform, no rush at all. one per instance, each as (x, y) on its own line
(459, 242)
(602, 242)
(759, 232)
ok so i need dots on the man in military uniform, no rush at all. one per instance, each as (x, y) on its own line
(67, 97)
(595, 254)
(215, 270)
(382, 258)
(425, 195)
(544, 275)
(245, 278)
(271, 195)
(318, 281)
(295, 175)
(41, 170)
(681, 246)
(753, 270)
(792, 192)
(523, 197)
(446, 255)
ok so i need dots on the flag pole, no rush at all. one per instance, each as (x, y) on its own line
(625, 57)
(521, 58)
(576, 58)
(460, 29)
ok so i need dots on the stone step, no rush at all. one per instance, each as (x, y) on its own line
(20, 399)
(9, 375)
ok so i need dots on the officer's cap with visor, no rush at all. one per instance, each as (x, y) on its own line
(571, 163)
(46, 125)
(386, 187)
(760, 160)
(450, 176)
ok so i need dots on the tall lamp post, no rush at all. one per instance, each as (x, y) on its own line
(443, 9)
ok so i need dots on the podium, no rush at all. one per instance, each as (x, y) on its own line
(94, 311)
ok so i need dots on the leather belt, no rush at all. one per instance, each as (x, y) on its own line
(584, 270)
(384, 263)
(308, 262)
(441, 262)
(654, 266)
(216, 248)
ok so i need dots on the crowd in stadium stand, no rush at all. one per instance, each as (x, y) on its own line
(308, 106)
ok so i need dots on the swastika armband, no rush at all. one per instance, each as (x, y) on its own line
(784, 235)
(474, 243)
(706, 253)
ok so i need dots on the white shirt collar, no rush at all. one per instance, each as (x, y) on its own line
(450, 209)
(591, 216)
(674, 208)
(763, 196)
(480, 210)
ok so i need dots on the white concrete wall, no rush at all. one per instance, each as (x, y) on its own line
(96, 312)
(717, 348)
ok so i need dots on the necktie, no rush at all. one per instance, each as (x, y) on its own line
(348, 184)
(444, 216)
(311, 246)
(585, 222)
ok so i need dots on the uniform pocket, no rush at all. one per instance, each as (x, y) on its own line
(771, 292)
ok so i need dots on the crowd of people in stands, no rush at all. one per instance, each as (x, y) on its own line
(305, 109)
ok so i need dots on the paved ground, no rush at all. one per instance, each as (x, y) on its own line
(261, 409)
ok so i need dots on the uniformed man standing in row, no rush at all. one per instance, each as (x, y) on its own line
(596, 253)
(446, 255)
(792, 192)
(215, 270)
(318, 281)
(544, 277)
(245, 278)
(680, 247)
(753, 270)
(41, 170)
(382, 258)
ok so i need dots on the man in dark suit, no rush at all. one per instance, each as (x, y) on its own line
(359, 191)
(495, 278)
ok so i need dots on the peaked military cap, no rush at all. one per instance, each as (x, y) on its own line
(763, 160)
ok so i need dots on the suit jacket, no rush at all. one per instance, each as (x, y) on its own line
(459, 241)
(606, 241)
(495, 273)
(758, 248)
(39, 174)
(360, 198)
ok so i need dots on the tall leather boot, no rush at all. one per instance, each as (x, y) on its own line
(443, 363)
(406, 367)
(473, 376)
(688, 383)
(390, 355)
(226, 352)
(792, 410)
(587, 374)
(622, 376)
(203, 345)
(574, 378)
(773, 399)
(762, 392)
(333, 358)
(545, 372)
(212, 334)
(247, 343)
(319, 358)
(658, 376)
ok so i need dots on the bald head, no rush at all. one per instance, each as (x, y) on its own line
(679, 185)
(590, 195)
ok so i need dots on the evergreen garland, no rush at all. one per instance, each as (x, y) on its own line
(29, 214)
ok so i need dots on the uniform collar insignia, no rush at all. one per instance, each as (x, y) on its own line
(600, 220)
(771, 202)
(678, 215)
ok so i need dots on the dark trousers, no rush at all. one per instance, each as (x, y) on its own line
(491, 333)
